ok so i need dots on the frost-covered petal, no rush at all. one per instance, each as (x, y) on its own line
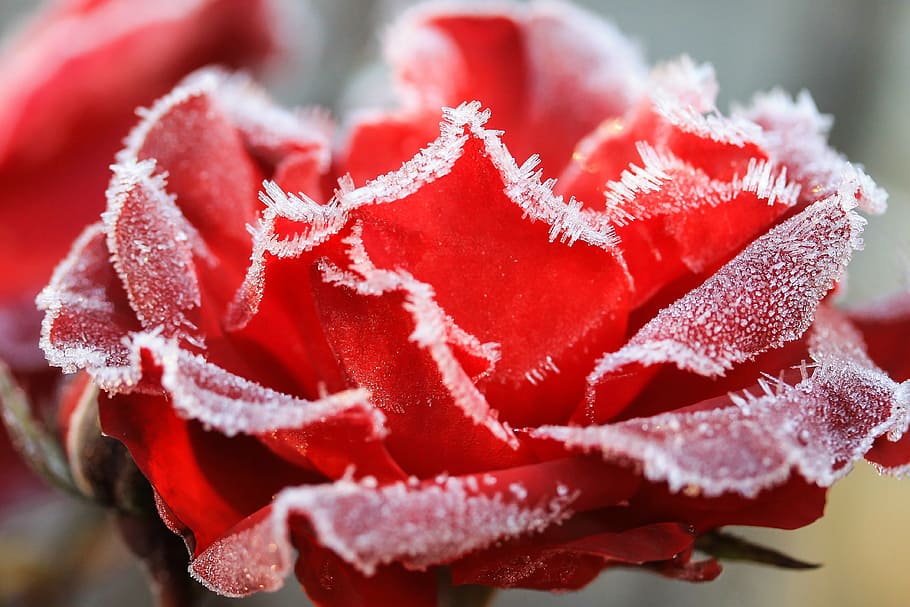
(550, 72)
(87, 314)
(553, 269)
(209, 482)
(818, 427)
(677, 114)
(795, 135)
(414, 524)
(765, 297)
(885, 326)
(673, 219)
(89, 326)
(390, 337)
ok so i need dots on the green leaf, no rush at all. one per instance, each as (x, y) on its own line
(38, 447)
(732, 548)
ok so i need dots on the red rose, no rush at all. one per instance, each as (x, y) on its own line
(459, 362)
(69, 84)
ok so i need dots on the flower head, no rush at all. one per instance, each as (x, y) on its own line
(433, 355)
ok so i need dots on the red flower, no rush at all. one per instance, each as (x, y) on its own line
(69, 84)
(461, 362)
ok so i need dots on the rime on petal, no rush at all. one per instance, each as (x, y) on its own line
(67, 106)
(151, 250)
(677, 115)
(415, 525)
(673, 219)
(819, 427)
(765, 297)
(379, 143)
(795, 135)
(549, 74)
(545, 281)
(86, 311)
(390, 338)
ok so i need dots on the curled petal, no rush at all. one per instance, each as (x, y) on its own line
(765, 297)
(819, 427)
(416, 524)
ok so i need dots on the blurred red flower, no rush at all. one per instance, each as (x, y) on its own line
(454, 360)
(70, 81)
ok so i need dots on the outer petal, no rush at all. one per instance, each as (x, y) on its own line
(818, 427)
(549, 72)
(885, 327)
(414, 524)
(762, 299)
(569, 556)
(209, 482)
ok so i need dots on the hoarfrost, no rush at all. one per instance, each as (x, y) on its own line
(818, 427)
(433, 523)
(763, 298)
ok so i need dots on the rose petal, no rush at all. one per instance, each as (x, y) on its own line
(884, 325)
(677, 115)
(328, 580)
(818, 427)
(391, 338)
(407, 214)
(88, 326)
(85, 299)
(413, 524)
(549, 73)
(69, 83)
(571, 555)
(672, 218)
(795, 135)
(209, 482)
(760, 300)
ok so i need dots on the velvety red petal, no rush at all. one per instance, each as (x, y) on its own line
(818, 427)
(331, 582)
(762, 299)
(570, 556)
(414, 524)
(209, 482)
(390, 337)
(791, 505)
(551, 267)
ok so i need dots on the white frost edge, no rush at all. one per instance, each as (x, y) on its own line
(833, 365)
(799, 139)
(649, 351)
(434, 331)
(568, 221)
(268, 411)
(657, 167)
(456, 518)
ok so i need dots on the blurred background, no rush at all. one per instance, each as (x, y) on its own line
(854, 57)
